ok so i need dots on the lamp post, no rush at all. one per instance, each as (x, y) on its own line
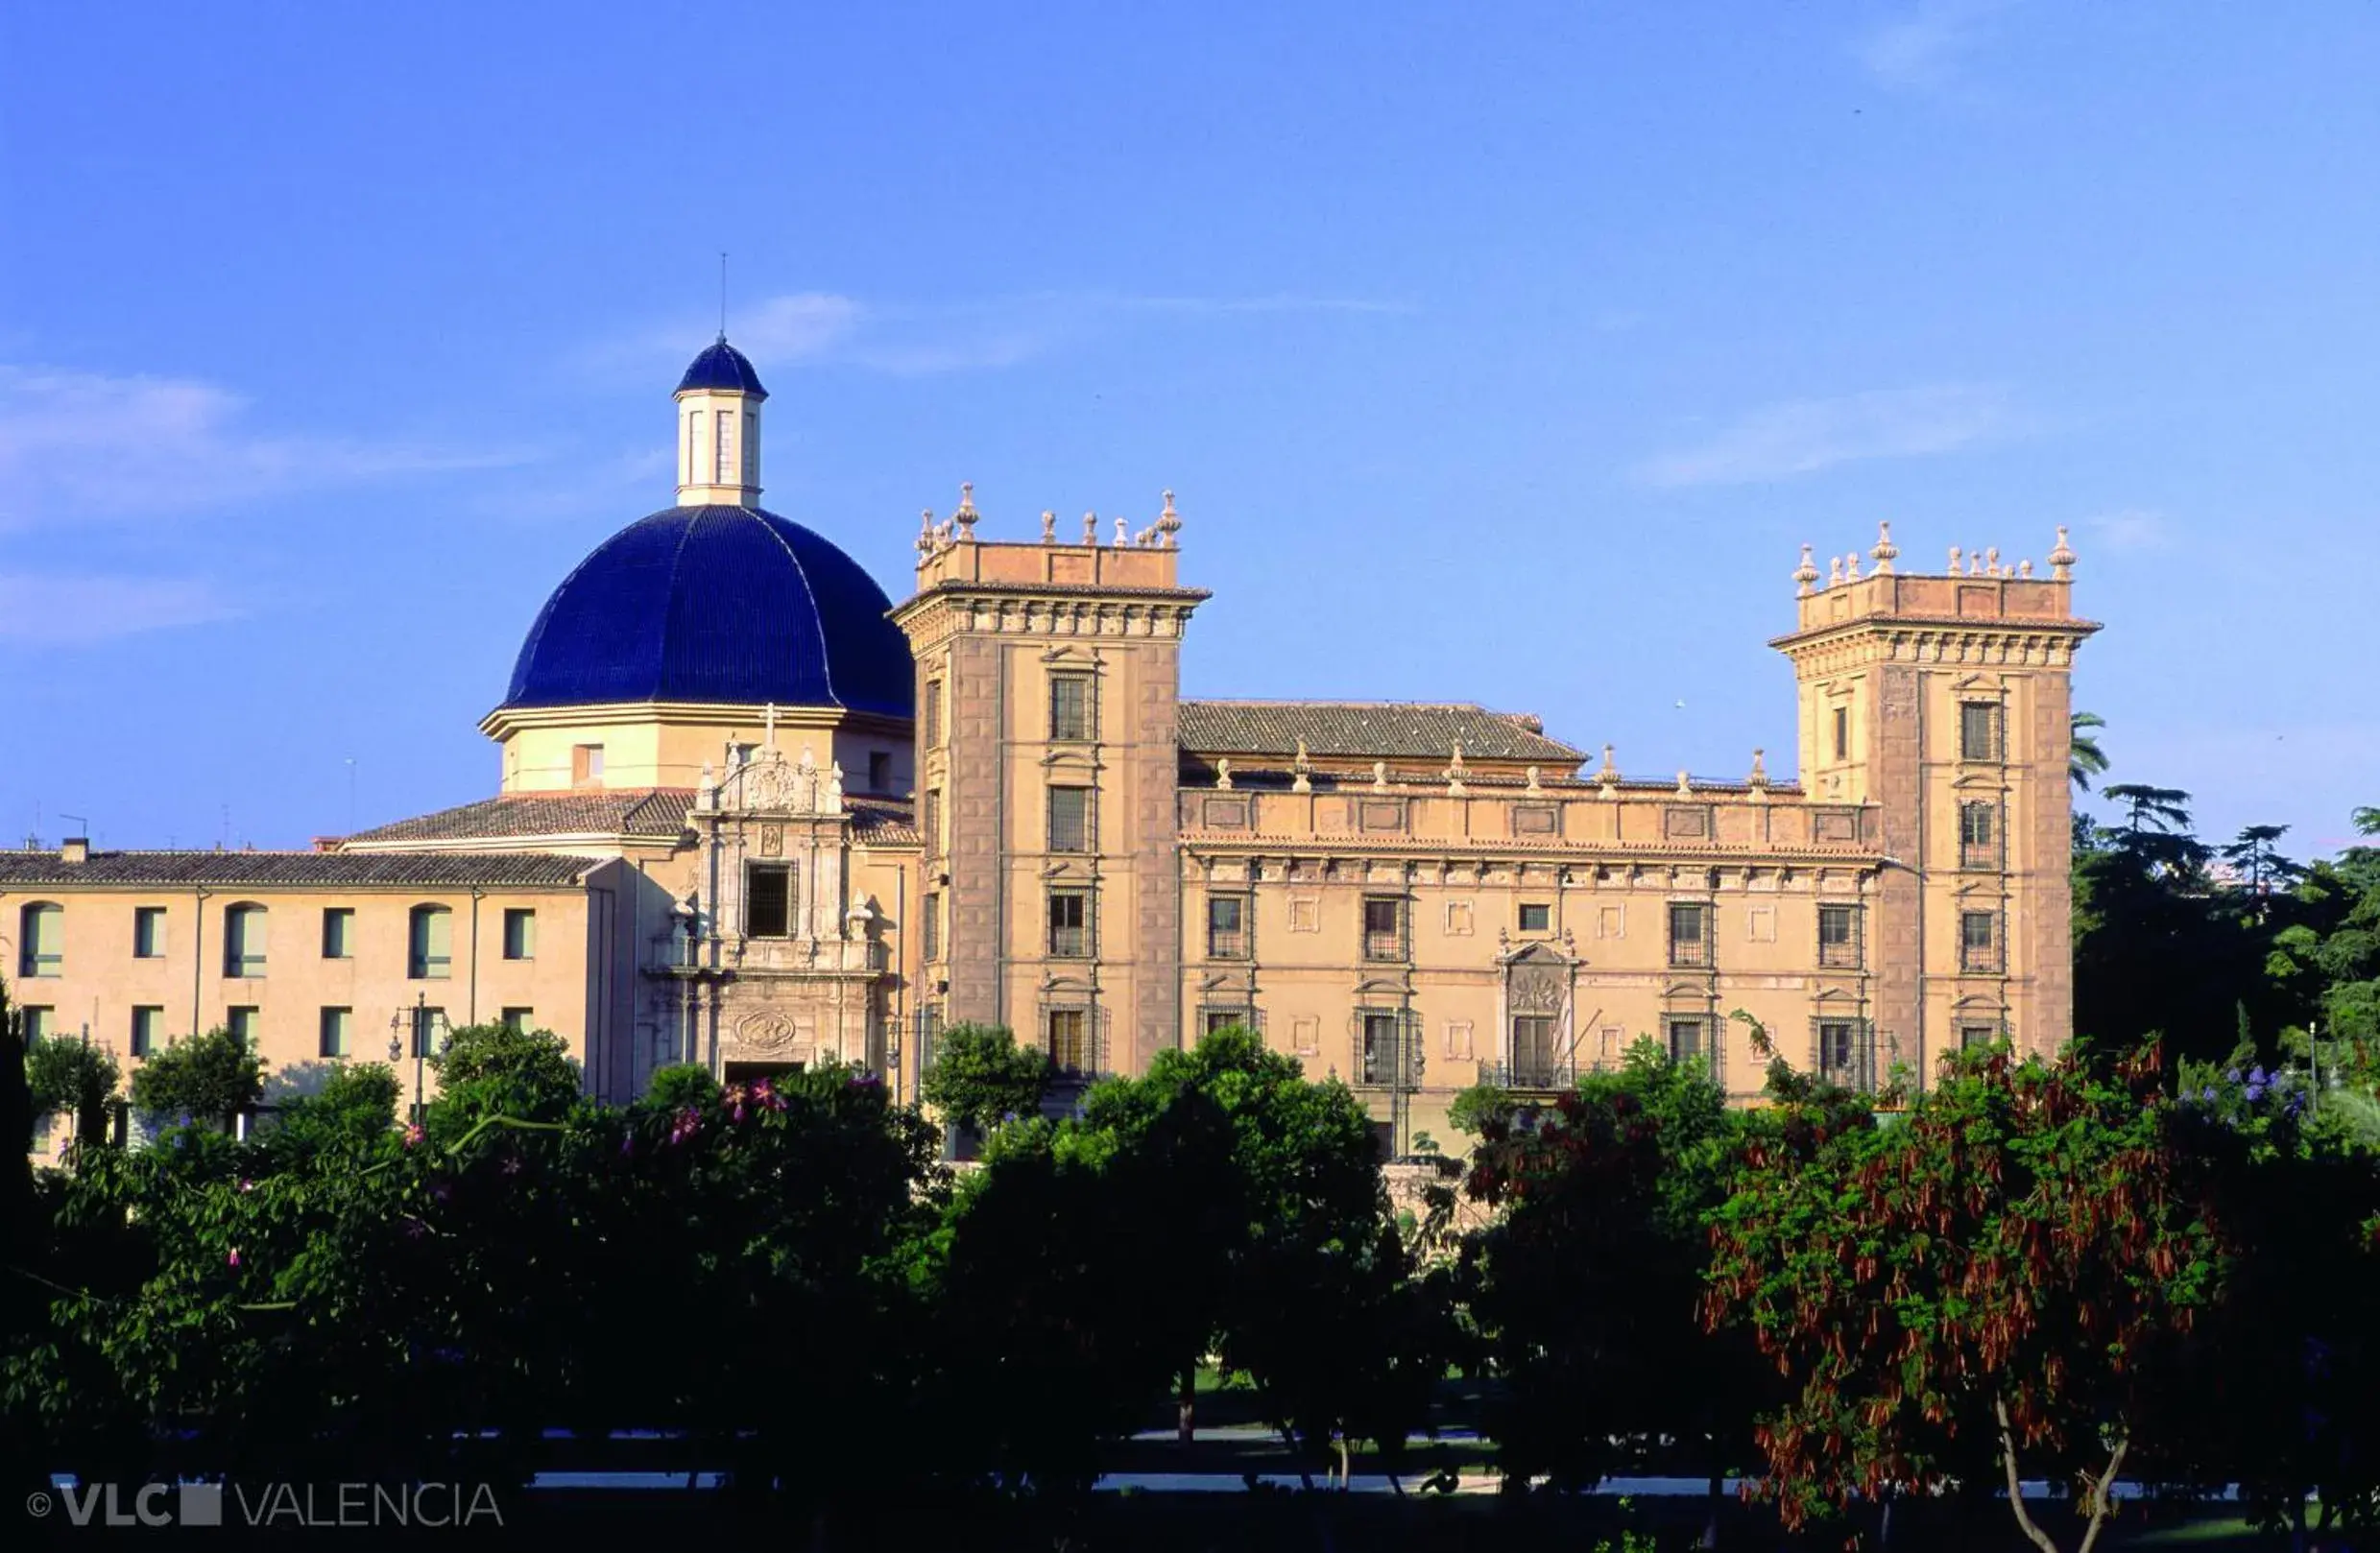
(422, 1019)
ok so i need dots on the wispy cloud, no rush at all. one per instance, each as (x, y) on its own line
(65, 610)
(1804, 435)
(916, 340)
(2132, 528)
(80, 445)
(1921, 50)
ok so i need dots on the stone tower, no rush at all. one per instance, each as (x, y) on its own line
(1046, 755)
(1938, 706)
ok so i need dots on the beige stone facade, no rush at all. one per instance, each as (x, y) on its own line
(1413, 897)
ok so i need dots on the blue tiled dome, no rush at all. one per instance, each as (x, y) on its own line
(721, 366)
(716, 604)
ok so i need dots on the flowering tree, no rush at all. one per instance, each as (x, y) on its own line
(2004, 1269)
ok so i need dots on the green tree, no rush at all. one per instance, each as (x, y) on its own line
(2337, 954)
(2084, 758)
(348, 1116)
(77, 1080)
(2002, 1274)
(500, 1070)
(980, 1075)
(211, 1077)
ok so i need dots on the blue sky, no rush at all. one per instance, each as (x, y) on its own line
(1503, 354)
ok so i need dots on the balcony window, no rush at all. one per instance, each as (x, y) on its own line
(1979, 941)
(1376, 1062)
(1536, 1064)
(1069, 819)
(41, 934)
(429, 954)
(1227, 927)
(1069, 707)
(243, 940)
(1213, 1021)
(1976, 1036)
(1688, 1038)
(1067, 1033)
(1978, 835)
(768, 900)
(1689, 933)
(1839, 937)
(148, 932)
(1070, 925)
(1839, 1052)
(1383, 927)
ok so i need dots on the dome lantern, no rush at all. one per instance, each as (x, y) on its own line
(719, 430)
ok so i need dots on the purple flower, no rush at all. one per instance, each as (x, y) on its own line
(2256, 1092)
(413, 1134)
(415, 1229)
(2256, 1076)
(234, 1258)
(511, 1165)
(248, 1186)
(2233, 1075)
(2207, 1094)
(628, 1145)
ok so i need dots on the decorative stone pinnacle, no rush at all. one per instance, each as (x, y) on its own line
(1532, 780)
(1379, 775)
(1090, 528)
(1123, 533)
(1975, 564)
(2024, 567)
(1834, 572)
(2062, 559)
(1609, 774)
(1851, 567)
(1168, 523)
(1050, 526)
(1807, 573)
(965, 517)
(1684, 787)
(1223, 774)
(1760, 768)
(1301, 770)
(1886, 551)
(925, 532)
(1954, 560)
(1991, 561)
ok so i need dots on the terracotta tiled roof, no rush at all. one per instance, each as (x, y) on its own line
(873, 820)
(295, 868)
(1374, 729)
(650, 811)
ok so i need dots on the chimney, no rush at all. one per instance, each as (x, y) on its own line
(75, 850)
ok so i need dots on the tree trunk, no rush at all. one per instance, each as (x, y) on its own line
(1719, 1486)
(2016, 1488)
(1185, 1418)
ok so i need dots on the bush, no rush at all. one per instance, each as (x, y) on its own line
(980, 1074)
(213, 1078)
(496, 1070)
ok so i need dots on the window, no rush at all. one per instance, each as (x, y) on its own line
(1227, 927)
(519, 933)
(1069, 819)
(338, 932)
(1974, 1036)
(1843, 732)
(1685, 1039)
(244, 1025)
(1376, 1062)
(1838, 937)
(517, 1020)
(243, 940)
(42, 930)
(723, 449)
(1383, 927)
(338, 1033)
(742, 755)
(1979, 941)
(1070, 924)
(1212, 1020)
(425, 1023)
(1690, 937)
(1070, 707)
(148, 1024)
(929, 712)
(1068, 1038)
(929, 926)
(148, 932)
(1979, 731)
(430, 944)
(930, 822)
(1978, 835)
(587, 765)
(768, 900)
(1536, 917)
(1533, 1056)
(1839, 1052)
(879, 772)
(40, 1023)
